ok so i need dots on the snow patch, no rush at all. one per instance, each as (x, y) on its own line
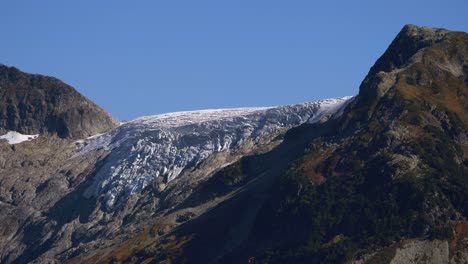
(14, 137)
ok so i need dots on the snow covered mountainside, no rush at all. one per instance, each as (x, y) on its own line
(164, 145)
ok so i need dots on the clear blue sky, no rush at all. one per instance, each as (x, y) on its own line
(146, 57)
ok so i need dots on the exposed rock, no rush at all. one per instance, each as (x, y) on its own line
(36, 104)
(430, 252)
(410, 251)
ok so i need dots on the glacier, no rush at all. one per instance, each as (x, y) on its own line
(164, 145)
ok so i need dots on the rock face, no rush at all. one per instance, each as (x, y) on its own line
(412, 251)
(36, 104)
(407, 43)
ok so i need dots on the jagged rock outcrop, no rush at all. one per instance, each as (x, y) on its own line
(37, 104)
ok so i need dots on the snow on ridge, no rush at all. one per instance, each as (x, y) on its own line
(164, 145)
(331, 106)
(342, 106)
(14, 137)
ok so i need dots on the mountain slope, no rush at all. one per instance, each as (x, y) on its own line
(62, 197)
(36, 104)
(397, 168)
(387, 181)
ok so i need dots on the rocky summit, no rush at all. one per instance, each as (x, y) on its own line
(33, 104)
(381, 177)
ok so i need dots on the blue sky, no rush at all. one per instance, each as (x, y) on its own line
(139, 58)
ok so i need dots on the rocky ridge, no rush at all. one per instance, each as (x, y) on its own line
(37, 104)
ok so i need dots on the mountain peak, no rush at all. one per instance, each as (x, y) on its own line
(408, 41)
(423, 32)
(409, 47)
(36, 104)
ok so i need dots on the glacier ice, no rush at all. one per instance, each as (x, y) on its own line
(164, 145)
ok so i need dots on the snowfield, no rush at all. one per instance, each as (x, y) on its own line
(164, 145)
(13, 137)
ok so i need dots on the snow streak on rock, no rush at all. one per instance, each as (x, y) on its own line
(164, 145)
